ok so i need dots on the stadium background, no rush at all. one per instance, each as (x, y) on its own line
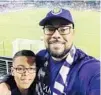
(19, 20)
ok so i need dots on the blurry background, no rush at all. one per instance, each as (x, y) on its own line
(19, 26)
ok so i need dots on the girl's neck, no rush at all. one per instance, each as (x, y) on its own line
(24, 91)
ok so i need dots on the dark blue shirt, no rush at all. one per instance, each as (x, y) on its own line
(54, 69)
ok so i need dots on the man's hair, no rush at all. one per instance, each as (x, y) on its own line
(26, 53)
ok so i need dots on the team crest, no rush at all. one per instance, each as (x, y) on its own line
(56, 11)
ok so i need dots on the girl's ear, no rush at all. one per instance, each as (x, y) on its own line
(12, 71)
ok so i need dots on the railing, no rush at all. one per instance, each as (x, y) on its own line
(5, 65)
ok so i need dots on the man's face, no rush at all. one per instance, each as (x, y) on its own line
(58, 37)
(24, 71)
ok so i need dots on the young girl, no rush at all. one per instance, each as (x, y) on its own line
(23, 74)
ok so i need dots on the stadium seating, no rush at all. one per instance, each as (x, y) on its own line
(5, 65)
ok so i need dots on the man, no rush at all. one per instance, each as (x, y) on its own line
(65, 70)
(24, 72)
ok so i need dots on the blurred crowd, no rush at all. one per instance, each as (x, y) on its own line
(77, 5)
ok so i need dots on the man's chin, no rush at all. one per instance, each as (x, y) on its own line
(58, 54)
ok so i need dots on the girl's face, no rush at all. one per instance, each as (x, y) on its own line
(24, 71)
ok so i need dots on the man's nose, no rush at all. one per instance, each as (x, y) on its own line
(56, 34)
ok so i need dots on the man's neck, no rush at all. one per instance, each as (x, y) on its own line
(59, 59)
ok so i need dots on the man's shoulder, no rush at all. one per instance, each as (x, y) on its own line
(84, 58)
(90, 67)
(42, 52)
(87, 65)
(41, 58)
(42, 55)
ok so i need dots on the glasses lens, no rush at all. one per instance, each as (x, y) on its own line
(31, 70)
(49, 30)
(19, 70)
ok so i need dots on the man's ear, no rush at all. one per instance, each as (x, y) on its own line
(12, 71)
(73, 31)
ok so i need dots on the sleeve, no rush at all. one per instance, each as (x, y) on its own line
(94, 87)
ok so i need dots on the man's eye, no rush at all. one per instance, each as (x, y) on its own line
(50, 29)
(63, 30)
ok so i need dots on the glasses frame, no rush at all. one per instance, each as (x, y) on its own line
(68, 28)
(25, 69)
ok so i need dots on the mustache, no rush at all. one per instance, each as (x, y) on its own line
(57, 41)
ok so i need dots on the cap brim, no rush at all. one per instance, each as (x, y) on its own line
(43, 21)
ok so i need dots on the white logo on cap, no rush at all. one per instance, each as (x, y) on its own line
(56, 11)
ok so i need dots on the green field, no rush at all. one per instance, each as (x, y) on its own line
(24, 24)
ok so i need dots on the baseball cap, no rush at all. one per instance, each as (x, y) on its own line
(57, 13)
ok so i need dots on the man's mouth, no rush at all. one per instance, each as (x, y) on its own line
(56, 45)
(56, 42)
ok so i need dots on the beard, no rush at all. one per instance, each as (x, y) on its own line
(57, 48)
(58, 54)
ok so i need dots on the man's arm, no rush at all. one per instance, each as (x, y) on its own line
(4, 89)
(94, 88)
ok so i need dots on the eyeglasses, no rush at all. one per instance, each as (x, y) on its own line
(21, 70)
(64, 30)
